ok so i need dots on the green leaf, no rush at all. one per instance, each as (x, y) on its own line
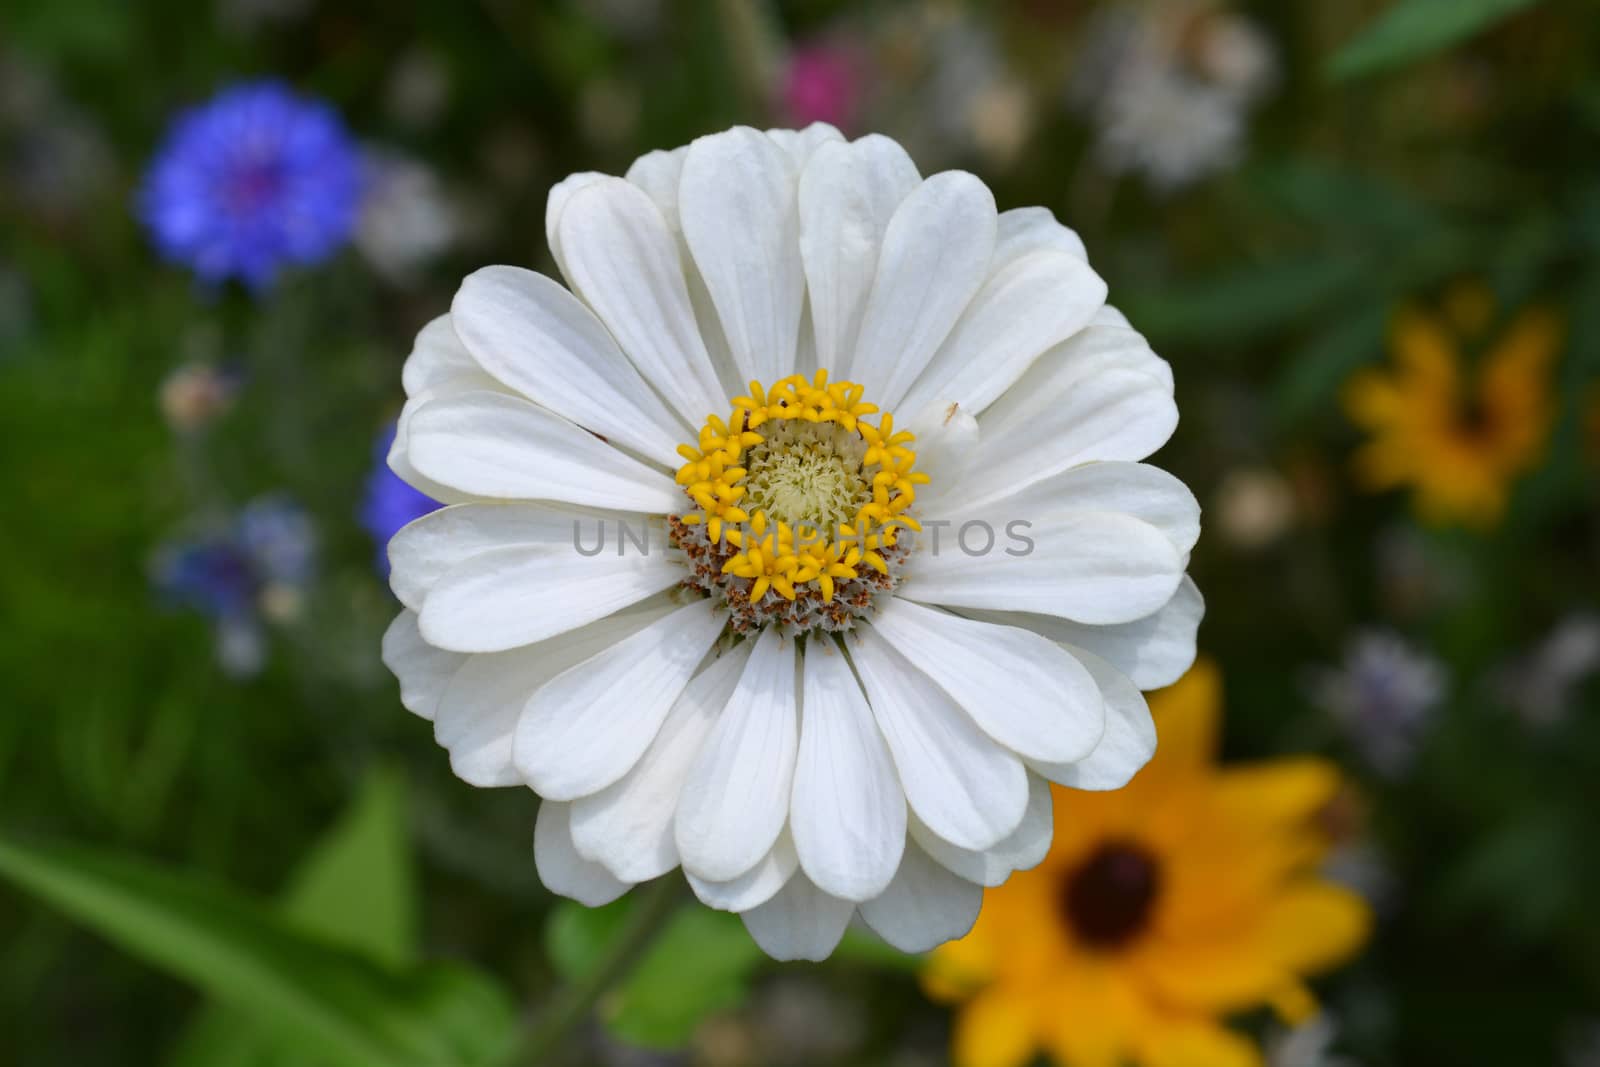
(1412, 29)
(1249, 302)
(356, 888)
(1514, 872)
(356, 1013)
(1344, 202)
(1314, 374)
(576, 937)
(700, 964)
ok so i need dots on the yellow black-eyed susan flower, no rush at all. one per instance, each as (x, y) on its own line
(1459, 435)
(1189, 895)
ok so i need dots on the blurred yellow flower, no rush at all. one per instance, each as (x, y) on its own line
(1188, 895)
(1459, 436)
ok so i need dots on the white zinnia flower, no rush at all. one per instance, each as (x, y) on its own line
(875, 731)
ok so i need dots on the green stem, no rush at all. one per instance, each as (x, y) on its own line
(653, 908)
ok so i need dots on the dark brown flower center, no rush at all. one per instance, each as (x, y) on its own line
(1108, 899)
(1476, 420)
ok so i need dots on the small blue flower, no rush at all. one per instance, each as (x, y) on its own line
(390, 503)
(279, 539)
(256, 179)
(209, 575)
(240, 575)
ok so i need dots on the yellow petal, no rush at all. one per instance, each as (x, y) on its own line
(1187, 715)
(1315, 926)
(1371, 399)
(1281, 794)
(1231, 972)
(1258, 958)
(1095, 1018)
(998, 1029)
(1196, 1043)
(1425, 351)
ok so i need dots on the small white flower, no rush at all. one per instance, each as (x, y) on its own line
(407, 216)
(811, 710)
(1169, 89)
(1542, 685)
(1172, 131)
(1309, 1044)
(1383, 696)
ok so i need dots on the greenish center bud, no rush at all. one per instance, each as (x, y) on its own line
(807, 473)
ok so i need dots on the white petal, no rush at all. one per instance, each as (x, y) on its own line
(801, 145)
(800, 923)
(736, 202)
(494, 445)
(1093, 567)
(1129, 741)
(1026, 306)
(935, 255)
(956, 778)
(805, 353)
(421, 669)
(1138, 489)
(399, 457)
(925, 906)
(736, 799)
(848, 194)
(478, 711)
(755, 886)
(542, 341)
(427, 548)
(586, 727)
(437, 357)
(1154, 651)
(657, 173)
(480, 706)
(628, 825)
(947, 440)
(560, 867)
(1026, 692)
(516, 596)
(1034, 229)
(1024, 849)
(1116, 414)
(1110, 316)
(1092, 350)
(556, 204)
(1052, 377)
(439, 366)
(624, 261)
(848, 813)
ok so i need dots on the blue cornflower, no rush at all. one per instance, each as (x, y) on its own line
(389, 502)
(241, 574)
(256, 179)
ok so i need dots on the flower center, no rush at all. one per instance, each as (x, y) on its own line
(1475, 421)
(251, 186)
(1109, 898)
(808, 473)
(797, 502)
